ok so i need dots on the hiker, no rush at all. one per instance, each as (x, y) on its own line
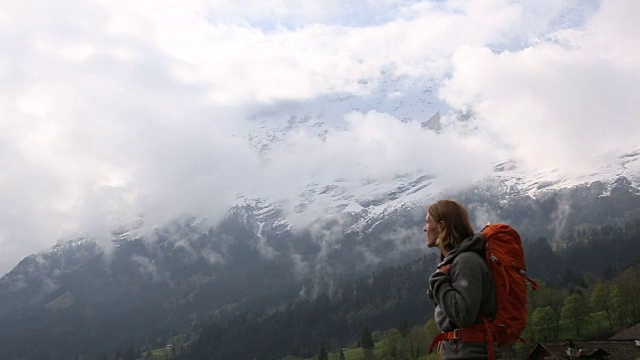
(462, 287)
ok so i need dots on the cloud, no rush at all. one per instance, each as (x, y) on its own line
(90, 144)
(325, 53)
(559, 216)
(562, 102)
(146, 267)
(361, 159)
(113, 109)
(372, 146)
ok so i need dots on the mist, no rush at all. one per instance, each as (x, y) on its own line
(115, 111)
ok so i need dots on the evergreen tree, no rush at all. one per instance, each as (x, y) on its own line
(404, 327)
(366, 341)
(129, 354)
(323, 354)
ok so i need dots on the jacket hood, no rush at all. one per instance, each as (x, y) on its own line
(473, 243)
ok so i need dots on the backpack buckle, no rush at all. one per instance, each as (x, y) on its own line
(456, 334)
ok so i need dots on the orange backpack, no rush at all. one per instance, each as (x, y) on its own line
(504, 254)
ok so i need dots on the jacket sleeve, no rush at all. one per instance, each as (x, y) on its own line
(459, 294)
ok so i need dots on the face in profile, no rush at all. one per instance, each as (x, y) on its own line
(432, 230)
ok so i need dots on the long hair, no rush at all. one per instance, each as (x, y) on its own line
(457, 224)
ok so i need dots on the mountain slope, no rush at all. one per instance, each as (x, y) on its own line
(145, 287)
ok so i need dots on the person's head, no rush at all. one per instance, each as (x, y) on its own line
(447, 225)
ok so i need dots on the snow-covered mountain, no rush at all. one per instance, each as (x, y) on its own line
(192, 271)
(270, 248)
(332, 193)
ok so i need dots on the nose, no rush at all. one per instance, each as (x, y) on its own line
(424, 228)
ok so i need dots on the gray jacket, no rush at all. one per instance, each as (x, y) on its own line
(461, 296)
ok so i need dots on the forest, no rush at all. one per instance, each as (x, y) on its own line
(590, 289)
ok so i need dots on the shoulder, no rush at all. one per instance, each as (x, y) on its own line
(471, 260)
(469, 256)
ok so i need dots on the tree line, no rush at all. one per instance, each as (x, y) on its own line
(587, 291)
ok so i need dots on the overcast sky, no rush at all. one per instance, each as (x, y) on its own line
(109, 109)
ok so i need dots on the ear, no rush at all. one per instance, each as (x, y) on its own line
(441, 226)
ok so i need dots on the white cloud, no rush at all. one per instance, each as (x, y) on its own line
(371, 146)
(111, 109)
(319, 56)
(562, 102)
